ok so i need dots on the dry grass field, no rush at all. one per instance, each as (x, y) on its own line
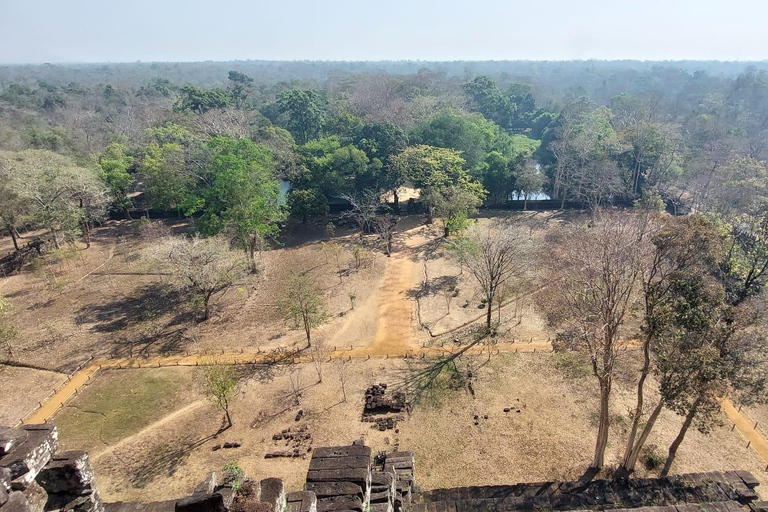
(164, 446)
(151, 432)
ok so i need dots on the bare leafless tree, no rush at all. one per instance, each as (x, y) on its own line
(343, 371)
(595, 273)
(294, 376)
(205, 266)
(496, 255)
(319, 352)
(384, 226)
(365, 206)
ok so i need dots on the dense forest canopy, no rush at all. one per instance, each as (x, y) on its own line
(214, 139)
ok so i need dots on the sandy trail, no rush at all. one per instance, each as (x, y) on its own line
(65, 392)
(393, 330)
(756, 440)
(159, 423)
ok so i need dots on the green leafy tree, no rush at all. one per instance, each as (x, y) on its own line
(219, 383)
(681, 248)
(244, 198)
(114, 164)
(303, 303)
(165, 176)
(199, 101)
(239, 88)
(381, 140)
(499, 176)
(434, 170)
(472, 135)
(307, 203)
(489, 100)
(304, 112)
(60, 195)
(13, 208)
(455, 203)
(529, 181)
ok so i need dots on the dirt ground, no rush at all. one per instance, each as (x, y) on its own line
(22, 389)
(550, 438)
(150, 432)
(108, 300)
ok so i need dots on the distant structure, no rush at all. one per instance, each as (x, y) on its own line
(36, 477)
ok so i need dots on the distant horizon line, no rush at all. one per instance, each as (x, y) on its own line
(430, 61)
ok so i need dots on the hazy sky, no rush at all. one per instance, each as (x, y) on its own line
(189, 30)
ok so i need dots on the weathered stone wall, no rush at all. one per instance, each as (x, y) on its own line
(35, 477)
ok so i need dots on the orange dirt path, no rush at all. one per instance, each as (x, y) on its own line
(393, 329)
(52, 404)
(756, 440)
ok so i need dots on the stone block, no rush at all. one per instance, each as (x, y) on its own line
(326, 489)
(208, 485)
(28, 457)
(36, 496)
(340, 503)
(301, 501)
(227, 495)
(342, 451)
(381, 507)
(90, 502)
(67, 472)
(17, 502)
(272, 491)
(380, 496)
(5, 479)
(359, 475)
(352, 462)
(213, 502)
(748, 479)
(10, 437)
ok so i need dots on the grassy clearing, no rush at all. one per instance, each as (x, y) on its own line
(120, 404)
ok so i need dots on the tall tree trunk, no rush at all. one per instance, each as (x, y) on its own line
(309, 334)
(127, 213)
(679, 439)
(87, 234)
(396, 198)
(206, 306)
(489, 307)
(55, 237)
(229, 418)
(13, 237)
(629, 464)
(604, 424)
(639, 407)
(252, 256)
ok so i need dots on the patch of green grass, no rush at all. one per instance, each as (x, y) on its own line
(118, 404)
(573, 365)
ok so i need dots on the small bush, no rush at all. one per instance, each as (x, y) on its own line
(234, 475)
(651, 457)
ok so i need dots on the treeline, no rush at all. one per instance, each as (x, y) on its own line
(218, 153)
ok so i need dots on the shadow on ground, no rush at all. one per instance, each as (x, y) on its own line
(153, 301)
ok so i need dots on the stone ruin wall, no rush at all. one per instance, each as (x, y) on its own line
(36, 477)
